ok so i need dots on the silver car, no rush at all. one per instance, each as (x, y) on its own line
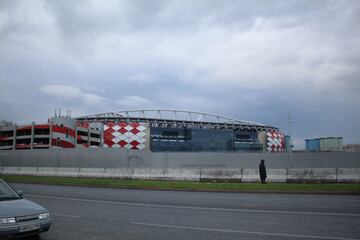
(20, 217)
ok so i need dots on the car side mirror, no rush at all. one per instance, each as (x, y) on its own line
(20, 193)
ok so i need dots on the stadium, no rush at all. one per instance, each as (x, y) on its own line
(155, 130)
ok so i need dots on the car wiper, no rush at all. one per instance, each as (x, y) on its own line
(8, 198)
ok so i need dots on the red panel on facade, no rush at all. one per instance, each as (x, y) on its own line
(123, 130)
(42, 126)
(83, 124)
(134, 143)
(135, 131)
(108, 142)
(109, 132)
(62, 143)
(24, 128)
(4, 138)
(63, 130)
(21, 146)
(122, 143)
(79, 137)
(110, 124)
(135, 124)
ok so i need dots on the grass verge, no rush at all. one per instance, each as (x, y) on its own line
(185, 185)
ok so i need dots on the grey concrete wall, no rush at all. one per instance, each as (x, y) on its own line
(290, 175)
(195, 166)
(120, 158)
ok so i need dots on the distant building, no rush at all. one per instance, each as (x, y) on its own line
(351, 148)
(328, 144)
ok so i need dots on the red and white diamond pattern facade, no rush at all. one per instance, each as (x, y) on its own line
(275, 141)
(124, 135)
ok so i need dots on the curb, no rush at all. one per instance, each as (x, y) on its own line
(203, 189)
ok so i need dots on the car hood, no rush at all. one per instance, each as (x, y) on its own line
(21, 207)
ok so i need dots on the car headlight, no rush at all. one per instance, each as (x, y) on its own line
(7, 220)
(44, 215)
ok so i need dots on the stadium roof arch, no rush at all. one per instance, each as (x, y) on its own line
(176, 119)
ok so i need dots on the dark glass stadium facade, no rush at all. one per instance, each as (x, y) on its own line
(201, 139)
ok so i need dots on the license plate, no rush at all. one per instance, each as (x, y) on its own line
(28, 228)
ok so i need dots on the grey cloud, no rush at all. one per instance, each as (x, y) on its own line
(253, 60)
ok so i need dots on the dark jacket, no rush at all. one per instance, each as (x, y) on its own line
(262, 170)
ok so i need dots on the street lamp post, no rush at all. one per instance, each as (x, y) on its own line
(291, 141)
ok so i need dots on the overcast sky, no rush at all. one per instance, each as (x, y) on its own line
(251, 60)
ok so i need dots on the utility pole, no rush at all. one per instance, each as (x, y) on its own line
(290, 121)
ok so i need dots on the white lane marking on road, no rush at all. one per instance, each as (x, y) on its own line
(196, 208)
(65, 215)
(240, 232)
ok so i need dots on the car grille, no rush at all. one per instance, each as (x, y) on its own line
(27, 218)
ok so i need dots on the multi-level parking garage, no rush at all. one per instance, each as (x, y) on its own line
(57, 133)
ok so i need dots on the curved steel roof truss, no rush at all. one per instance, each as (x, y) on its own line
(176, 118)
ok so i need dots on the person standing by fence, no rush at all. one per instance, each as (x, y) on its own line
(262, 171)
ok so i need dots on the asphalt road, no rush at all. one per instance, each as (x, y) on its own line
(100, 213)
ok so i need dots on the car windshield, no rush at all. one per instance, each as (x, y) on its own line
(7, 193)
